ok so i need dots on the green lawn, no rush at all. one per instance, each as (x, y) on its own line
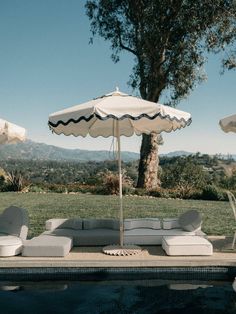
(217, 216)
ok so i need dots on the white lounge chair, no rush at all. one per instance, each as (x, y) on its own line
(232, 202)
(13, 230)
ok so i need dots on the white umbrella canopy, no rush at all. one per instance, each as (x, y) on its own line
(228, 124)
(11, 133)
(117, 114)
(99, 117)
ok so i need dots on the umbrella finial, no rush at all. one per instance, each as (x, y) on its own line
(116, 92)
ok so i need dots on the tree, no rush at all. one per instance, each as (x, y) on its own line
(170, 40)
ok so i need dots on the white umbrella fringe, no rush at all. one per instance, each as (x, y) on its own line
(55, 127)
(126, 116)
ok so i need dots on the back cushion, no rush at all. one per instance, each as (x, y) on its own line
(101, 224)
(73, 223)
(60, 223)
(170, 223)
(14, 221)
(190, 220)
(148, 223)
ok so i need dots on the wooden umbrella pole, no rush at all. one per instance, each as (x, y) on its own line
(120, 186)
(121, 249)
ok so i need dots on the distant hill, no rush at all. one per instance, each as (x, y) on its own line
(177, 153)
(30, 150)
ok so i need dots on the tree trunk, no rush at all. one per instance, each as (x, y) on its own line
(148, 164)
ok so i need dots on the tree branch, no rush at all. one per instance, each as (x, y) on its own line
(126, 48)
(122, 45)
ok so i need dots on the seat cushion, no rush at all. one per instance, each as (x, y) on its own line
(152, 223)
(91, 237)
(144, 236)
(190, 220)
(170, 223)
(10, 245)
(186, 245)
(47, 245)
(89, 224)
(59, 223)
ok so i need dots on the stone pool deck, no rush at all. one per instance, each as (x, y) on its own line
(151, 256)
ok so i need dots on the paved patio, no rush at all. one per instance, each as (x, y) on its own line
(151, 256)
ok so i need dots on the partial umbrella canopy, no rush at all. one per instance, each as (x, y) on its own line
(117, 114)
(228, 124)
(11, 133)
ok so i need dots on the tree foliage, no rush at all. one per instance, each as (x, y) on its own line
(170, 41)
(184, 175)
(168, 38)
(193, 176)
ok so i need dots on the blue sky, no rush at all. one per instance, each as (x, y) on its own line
(47, 64)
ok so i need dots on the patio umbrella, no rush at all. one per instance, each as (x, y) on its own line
(117, 114)
(11, 133)
(228, 124)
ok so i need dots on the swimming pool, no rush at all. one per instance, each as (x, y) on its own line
(118, 296)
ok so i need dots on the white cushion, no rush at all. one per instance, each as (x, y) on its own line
(72, 223)
(101, 224)
(47, 245)
(151, 236)
(152, 223)
(170, 223)
(186, 245)
(10, 245)
(190, 220)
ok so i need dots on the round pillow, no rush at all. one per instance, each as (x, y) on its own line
(190, 220)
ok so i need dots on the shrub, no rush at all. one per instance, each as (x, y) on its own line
(195, 195)
(212, 193)
(140, 192)
(110, 182)
(159, 192)
(57, 188)
(184, 175)
(176, 193)
(37, 189)
(184, 191)
(2, 183)
(15, 182)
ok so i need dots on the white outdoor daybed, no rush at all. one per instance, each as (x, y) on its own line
(62, 234)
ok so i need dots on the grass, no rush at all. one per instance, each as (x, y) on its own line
(217, 216)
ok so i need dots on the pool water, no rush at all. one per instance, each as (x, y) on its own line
(144, 296)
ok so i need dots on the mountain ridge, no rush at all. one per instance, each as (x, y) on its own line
(31, 150)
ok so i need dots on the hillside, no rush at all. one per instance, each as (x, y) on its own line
(30, 150)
